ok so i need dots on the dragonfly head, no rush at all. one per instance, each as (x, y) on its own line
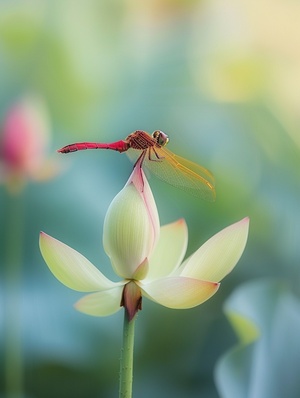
(161, 138)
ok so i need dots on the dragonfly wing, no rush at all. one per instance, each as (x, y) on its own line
(181, 173)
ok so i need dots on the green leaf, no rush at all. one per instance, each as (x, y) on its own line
(266, 362)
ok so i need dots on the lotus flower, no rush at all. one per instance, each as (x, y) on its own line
(147, 258)
(24, 139)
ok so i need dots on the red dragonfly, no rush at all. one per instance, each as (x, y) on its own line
(150, 151)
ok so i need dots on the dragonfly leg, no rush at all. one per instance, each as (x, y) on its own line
(139, 164)
(158, 158)
(140, 159)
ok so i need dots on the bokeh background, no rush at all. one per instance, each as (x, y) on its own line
(222, 78)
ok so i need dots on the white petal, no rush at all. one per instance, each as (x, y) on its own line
(101, 303)
(128, 236)
(72, 268)
(179, 292)
(169, 251)
(218, 256)
(140, 181)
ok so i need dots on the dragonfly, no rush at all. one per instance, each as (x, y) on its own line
(150, 150)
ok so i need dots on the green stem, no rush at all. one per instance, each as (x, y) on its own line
(13, 271)
(126, 362)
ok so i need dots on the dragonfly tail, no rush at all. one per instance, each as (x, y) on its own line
(120, 146)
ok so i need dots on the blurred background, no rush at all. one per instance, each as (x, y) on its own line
(222, 79)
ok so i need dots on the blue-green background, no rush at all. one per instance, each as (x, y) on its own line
(217, 79)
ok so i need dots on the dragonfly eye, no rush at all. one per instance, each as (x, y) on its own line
(161, 138)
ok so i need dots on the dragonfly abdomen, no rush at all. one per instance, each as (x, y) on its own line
(120, 146)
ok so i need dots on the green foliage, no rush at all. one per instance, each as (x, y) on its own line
(265, 365)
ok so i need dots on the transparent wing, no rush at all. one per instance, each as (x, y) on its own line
(179, 172)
